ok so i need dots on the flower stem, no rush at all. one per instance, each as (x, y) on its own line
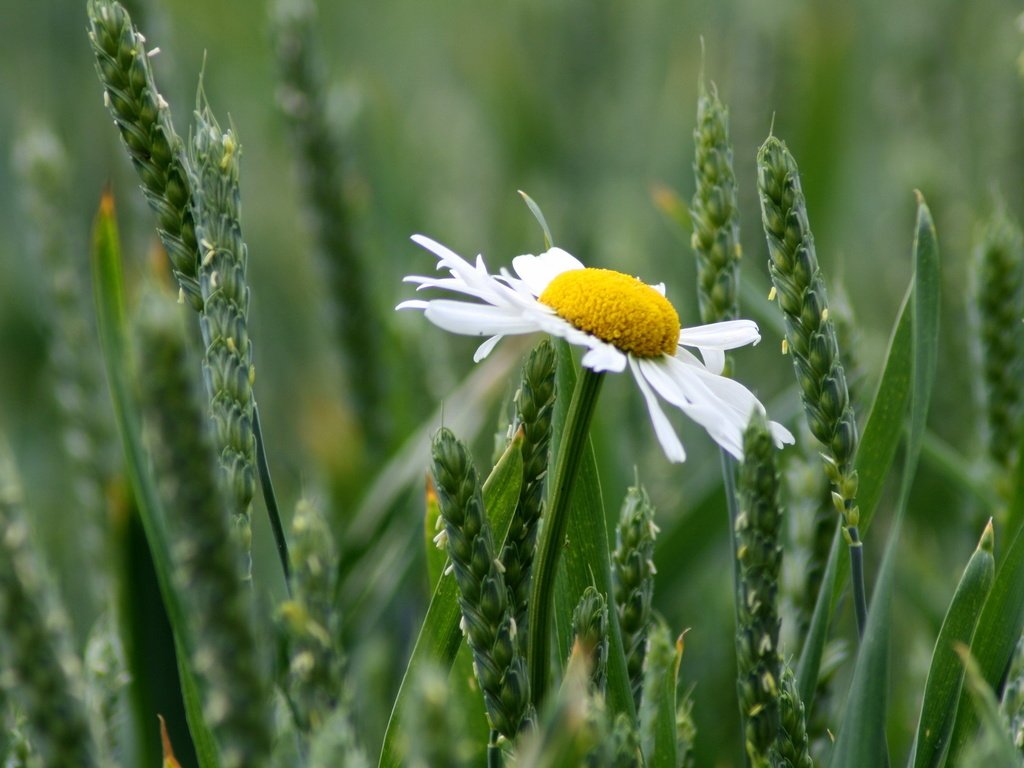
(552, 535)
(860, 602)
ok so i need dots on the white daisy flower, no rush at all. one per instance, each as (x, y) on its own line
(621, 321)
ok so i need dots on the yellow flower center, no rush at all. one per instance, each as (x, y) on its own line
(615, 308)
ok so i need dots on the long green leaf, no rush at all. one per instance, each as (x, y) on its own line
(999, 629)
(987, 706)
(946, 674)
(108, 288)
(586, 560)
(439, 638)
(862, 734)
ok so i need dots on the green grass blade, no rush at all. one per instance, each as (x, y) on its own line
(946, 674)
(999, 629)
(439, 638)
(987, 706)
(862, 735)
(588, 561)
(108, 287)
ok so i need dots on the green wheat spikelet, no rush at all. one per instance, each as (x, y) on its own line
(144, 120)
(590, 628)
(686, 731)
(487, 619)
(534, 402)
(311, 621)
(791, 748)
(633, 576)
(810, 332)
(107, 679)
(45, 173)
(205, 555)
(435, 732)
(43, 676)
(999, 301)
(227, 364)
(714, 212)
(758, 529)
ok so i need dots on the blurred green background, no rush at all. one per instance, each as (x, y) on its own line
(444, 110)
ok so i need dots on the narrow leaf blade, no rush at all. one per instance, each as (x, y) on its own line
(108, 288)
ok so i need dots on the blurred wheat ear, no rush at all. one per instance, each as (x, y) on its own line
(204, 553)
(43, 675)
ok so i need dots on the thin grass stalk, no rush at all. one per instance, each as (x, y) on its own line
(302, 97)
(534, 401)
(43, 675)
(487, 619)
(205, 555)
(633, 576)
(143, 119)
(811, 340)
(576, 432)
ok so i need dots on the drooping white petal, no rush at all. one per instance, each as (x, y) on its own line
(538, 271)
(663, 429)
(727, 334)
(485, 349)
(413, 304)
(476, 319)
(780, 435)
(721, 422)
(740, 401)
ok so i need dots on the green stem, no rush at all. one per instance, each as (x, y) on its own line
(494, 752)
(860, 601)
(270, 500)
(552, 534)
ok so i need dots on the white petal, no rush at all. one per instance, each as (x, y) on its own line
(676, 385)
(413, 304)
(443, 252)
(476, 319)
(604, 357)
(538, 271)
(714, 359)
(662, 427)
(485, 349)
(780, 434)
(728, 334)
(659, 287)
